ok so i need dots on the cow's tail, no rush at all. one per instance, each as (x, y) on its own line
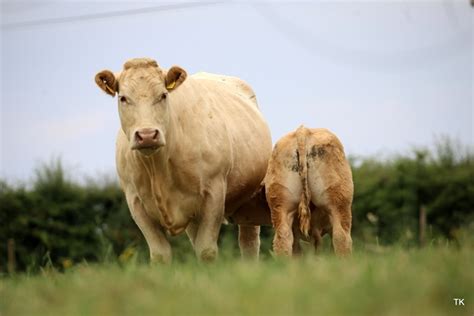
(304, 213)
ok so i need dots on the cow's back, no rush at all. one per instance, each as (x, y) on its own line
(234, 84)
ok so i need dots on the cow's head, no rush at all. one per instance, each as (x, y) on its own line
(144, 90)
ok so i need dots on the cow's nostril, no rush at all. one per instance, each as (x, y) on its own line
(137, 136)
(156, 134)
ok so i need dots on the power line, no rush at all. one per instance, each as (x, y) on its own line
(366, 58)
(102, 15)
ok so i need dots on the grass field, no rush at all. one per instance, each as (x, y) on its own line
(389, 282)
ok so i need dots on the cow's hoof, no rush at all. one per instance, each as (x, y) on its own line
(208, 255)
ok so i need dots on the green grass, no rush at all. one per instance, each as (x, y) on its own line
(391, 282)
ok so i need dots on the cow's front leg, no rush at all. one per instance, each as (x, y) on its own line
(160, 249)
(211, 217)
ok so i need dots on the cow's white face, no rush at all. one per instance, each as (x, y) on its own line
(143, 101)
(143, 108)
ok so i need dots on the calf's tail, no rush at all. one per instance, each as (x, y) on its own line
(304, 213)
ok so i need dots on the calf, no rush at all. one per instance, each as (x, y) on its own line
(309, 177)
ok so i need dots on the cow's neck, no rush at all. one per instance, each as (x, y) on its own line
(157, 170)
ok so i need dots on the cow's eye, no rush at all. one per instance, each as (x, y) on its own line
(123, 99)
(161, 98)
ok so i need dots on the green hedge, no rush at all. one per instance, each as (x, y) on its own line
(59, 222)
(56, 220)
(389, 194)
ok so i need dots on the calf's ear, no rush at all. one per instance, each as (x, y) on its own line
(107, 81)
(174, 77)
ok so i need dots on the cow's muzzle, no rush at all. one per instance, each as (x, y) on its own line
(147, 140)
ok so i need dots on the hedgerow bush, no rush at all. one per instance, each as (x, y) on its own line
(56, 221)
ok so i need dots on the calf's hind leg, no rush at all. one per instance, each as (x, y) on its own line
(296, 240)
(341, 232)
(283, 240)
(283, 212)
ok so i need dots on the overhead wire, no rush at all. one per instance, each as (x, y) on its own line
(103, 15)
(328, 48)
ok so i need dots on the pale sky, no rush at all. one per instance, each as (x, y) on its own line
(384, 76)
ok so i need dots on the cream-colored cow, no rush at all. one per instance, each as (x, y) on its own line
(308, 193)
(190, 151)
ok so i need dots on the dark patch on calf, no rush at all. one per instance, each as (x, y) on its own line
(295, 166)
(317, 152)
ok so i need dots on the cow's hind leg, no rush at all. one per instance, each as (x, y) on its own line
(317, 239)
(249, 241)
(191, 231)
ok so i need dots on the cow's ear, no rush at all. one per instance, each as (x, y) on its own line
(174, 77)
(107, 81)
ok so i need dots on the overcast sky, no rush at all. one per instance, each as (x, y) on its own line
(384, 76)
